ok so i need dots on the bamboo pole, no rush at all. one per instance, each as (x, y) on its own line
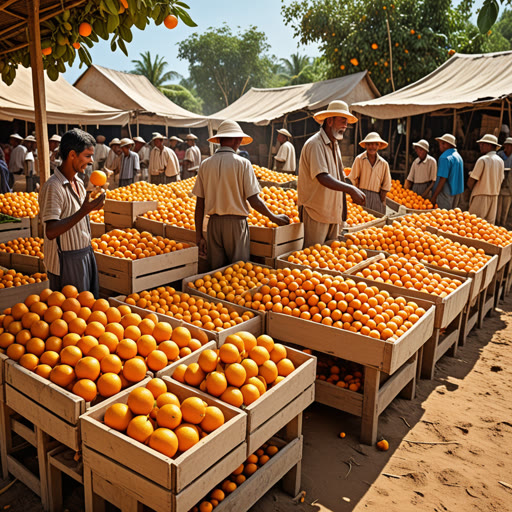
(269, 159)
(501, 118)
(407, 142)
(454, 127)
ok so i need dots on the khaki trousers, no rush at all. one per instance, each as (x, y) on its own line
(484, 207)
(504, 203)
(317, 232)
(227, 240)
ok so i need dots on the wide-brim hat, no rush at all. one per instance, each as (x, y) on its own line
(508, 140)
(490, 139)
(157, 135)
(284, 131)
(15, 136)
(177, 139)
(230, 129)
(190, 136)
(114, 141)
(139, 139)
(423, 144)
(56, 138)
(29, 138)
(336, 108)
(449, 139)
(126, 142)
(373, 137)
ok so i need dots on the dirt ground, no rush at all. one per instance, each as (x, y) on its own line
(466, 409)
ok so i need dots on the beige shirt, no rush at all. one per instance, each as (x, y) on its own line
(100, 155)
(286, 154)
(366, 177)
(164, 161)
(17, 158)
(193, 154)
(144, 153)
(423, 171)
(112, 161)
(317, 157)
(57, 201)
(489, 172)
(226, 181)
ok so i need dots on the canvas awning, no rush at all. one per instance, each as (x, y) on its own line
(462, 81)
(64, 103)
(135, 92)
(262, 106)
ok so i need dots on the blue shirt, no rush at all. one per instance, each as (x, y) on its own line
(451, 167)
(508, 159)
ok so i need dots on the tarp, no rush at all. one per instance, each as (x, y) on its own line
(135, 92)
(462, 81)
(262, 106)
(64, 103)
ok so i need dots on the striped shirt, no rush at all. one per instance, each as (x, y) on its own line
(57, 201)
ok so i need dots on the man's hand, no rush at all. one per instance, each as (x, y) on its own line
(95, 204)
(203, 250)
(357, 196)
(383, 194)
(282, 220)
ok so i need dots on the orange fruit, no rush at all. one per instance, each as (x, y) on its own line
(228, 487)
(157, 360)
(167, 398)
(70, 339)
(86, 299)
(216, 383)
(6, 339)
(71, 304)
(29, 361)
(55, 299)
(164, 441)
(134, 370)
(250, 469)
(59, 328)
(250, 393)
(145, 344)
(157, 387)
(115, 328)
(236, 374)
(171, 21)
(99, 352)
(85, 388)
(207, 360)
(43, 370)
(78, 326)
(268, 370)
(251, 368)
(98, 316)
(248, 339)
(110, 340)
(132, 332)
(140, 428)
(194, 375)
(140, 401)
(229, 353)
(126, 349)
(232, 396)
(53, 343)
(15, 351)
(62, 374)
(113, 315)
(98, 178)
(111, 363)
(259, 382)
(383, 445)
(18, 310)
(259, 355)
(35, 346)
(95, 329)
(181, 336)
(213, 419)
(193, 410)
(265, 341)
(169, 416)
(49, 358)
(40, 329)
(85, 30)
(170, 349)
(109, 384)
(70, 355)
(217, 494)
(285, 367)
(237, 341)
(162, 332)
(278, 352)
(118, 416)
(187, 435)
(179, 373)
(131, 319)
(87, 368)
(24, 336)
(28, 319)
(86, 343)
(69, 291)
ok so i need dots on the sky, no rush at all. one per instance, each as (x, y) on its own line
(264, 14)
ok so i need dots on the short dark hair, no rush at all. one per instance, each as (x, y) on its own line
(76, 140)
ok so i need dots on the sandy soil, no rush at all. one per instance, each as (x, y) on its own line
(468, 404)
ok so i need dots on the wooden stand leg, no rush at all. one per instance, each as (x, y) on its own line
(482, 299)
(5, 438)
(452, 351)
(43, 443)
(464, 326)
(292, 480)
(89, 497)
(428, 363)
(54, 488)
(409, 391)
(419, 362)
(370, 417)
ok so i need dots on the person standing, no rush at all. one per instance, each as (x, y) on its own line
(485, 180)
(174, 141)
(128, 163)
(370, 172)
(423, 171)
(55, 160)
(286, 160)
(64, 209)
(114, 153)
(163, 162)
(16, 158)
(505, 197)
(450, 174)
(100, 153)
(321, 185)
(192, 158)
(228, 237)
(31, 169)
(142, 149)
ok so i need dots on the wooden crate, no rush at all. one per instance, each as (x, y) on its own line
(176, 233)
(288, 184)
(12, 230)
(401, 209)
(122, 214)
(11, 296)
(27, 264)
(97, 229)
(154, 227)
(272, 242)
(255, 325)
(170, 475)
(5, 259)
(376, 223)
(279, 405)
(128, 276)
(36, 227)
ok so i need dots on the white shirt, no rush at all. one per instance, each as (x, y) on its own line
(100, 155)
(17, 159)
(286, 154)
(193, 154)
(144, 153)
(112, 161)
(488, 172)
(29, 164)
(163, 161)
(423, 171)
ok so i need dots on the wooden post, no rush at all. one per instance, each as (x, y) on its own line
(210, 135)
(454, 123)
(407, 142)
(36, 63)
(501, 118)
(269, 159)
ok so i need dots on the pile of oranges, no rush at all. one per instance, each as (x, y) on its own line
(155, 416)
(193, 310)
(338, 256)
(133, 245)
(341, 373)
(254, 462)
(461, 223)
(97, 216)
(30, 246)
(264, 174)
(183, 187)
(233, 281)
(416, 243)
(357, 214)
(408, 198)
(87, 346)
(177, 212)
(141, 191)
(409, 273)
(279, 201)
(240, 371)
(19, 204)
(340, 302)
(10, 278)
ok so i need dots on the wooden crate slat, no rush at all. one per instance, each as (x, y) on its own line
(392, 387)
(177, 233)
(97, 229)
(26, 264)
(153, 226)
(339, 398)
(11, 296)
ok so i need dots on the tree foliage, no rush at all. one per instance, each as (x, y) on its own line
(224, 65)
(504, 25)
(154, 70)
(183, 97)
(353, 36)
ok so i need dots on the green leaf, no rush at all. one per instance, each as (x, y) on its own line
(112, 6)
(140, 21)
(112, 23)
(122, 46)
(488, 15)
(182, 4)
(26, 60)
(156, 12)
(61, 67)
(53, 73)
(59, 51)
(100, 28)
(113, 45)
(125, 33)
(185, 17)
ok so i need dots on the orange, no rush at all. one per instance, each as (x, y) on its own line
(126, 349)
(383, 445)
(15, 351)
(116, 329)
(95, 329)
(132, 332)
(62, 374)
(35, 346)
(31, 299)
(237, 341)
(59, 328)
(268, 370)
(84, 313)
(266, 342)
(165, 441)
(18, 310)
(28, 319)
(259, 382)
(110, 340)
(278, 352)
(235, 375)
(272, 450)
(70, 339)
(216, 383)
(98, 316)
(29, 361)
(147, 326)
(285, 367)
(131, 319)
(169, 416)
(134, 370)
(204, 506)
(171, 21)
(217, 494)
(85, 343)
(118, 416)
(213, 419)
(111, 363)
(187, 435)
(99, 352)
(208, 360)
(193, 410)
(156, 360)
(250, 469)
(251, 368)
(140, 428)
(250, 393)
(179, 373)
(6, 339)
(229, 353)
(248, 339)
(43, 370)
(78, 326)
(194, 375)
(86, 299)
(228, 487)
(113, 315)
(167, 398)
(24, 336)
(162, 332)
(109, 384)
(140, 401)
(49, 358)
(87, 368)
(70, 355)
(98, 178)
(157, 387)
(40, 329)
(170, 349)
(69, 291)
(145, 344)
(55, 299)
(85, 388)
(181, 336)
(71, 304)
(232, 396)
(259, 354)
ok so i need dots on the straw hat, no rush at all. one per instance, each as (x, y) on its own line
(29, 138)
(449, 139)
(157, 135)
(284, 131)
(508, 140)
(373, 137)
(490, 139)
(114, 141)
(190, 136)
(423, 144)
(336, 108)
(139, 139)
(177, 139)
(229, 129)
(15, 136)
(126, 142)
(56, 138)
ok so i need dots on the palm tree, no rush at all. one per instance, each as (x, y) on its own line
(297, 69)
(154, 71)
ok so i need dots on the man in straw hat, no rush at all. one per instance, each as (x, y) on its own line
(192, 158)
(142, 149)
(321, 185)
(55, 159)
(114, 154)
(485, 180)
(31, 167)
(128, 165)
(164, 166)
(370, 172)
(450, 174)
(17, 156)
(423, 170)
(174, 141)
(286, 160)
(226, 189)
(100, 153)
(505, 197)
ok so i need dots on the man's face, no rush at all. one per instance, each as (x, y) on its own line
(82, 160)
(281, 138)
(125, 150)
(372, 148)
(173, 143)
(485, 147)
(507, 148)
(159, 143)
(138, 146)
(14, 142)
(116, 148)
(443, 146)
(420, 152)
(191, 142)
(53, 144)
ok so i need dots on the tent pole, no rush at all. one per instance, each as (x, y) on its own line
(137, 118)
(423, 119)
(407, 141)
(129, 130)
(501, 118)
(509, 114)
(468, 130)
(454, 123)
(36, 63)
(269, 159)
(355, 141)
(210, 135)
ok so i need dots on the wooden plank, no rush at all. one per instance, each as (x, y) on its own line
(339, 398)
(24, 475)
(278, 235)
(26, 264)
(177, 233)
(370, 417)
(21, 223)
(11, 296)
(392, 387)
(375, 223)
(5, 259)
(153, 226)
(63, 459)
(23, 431)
